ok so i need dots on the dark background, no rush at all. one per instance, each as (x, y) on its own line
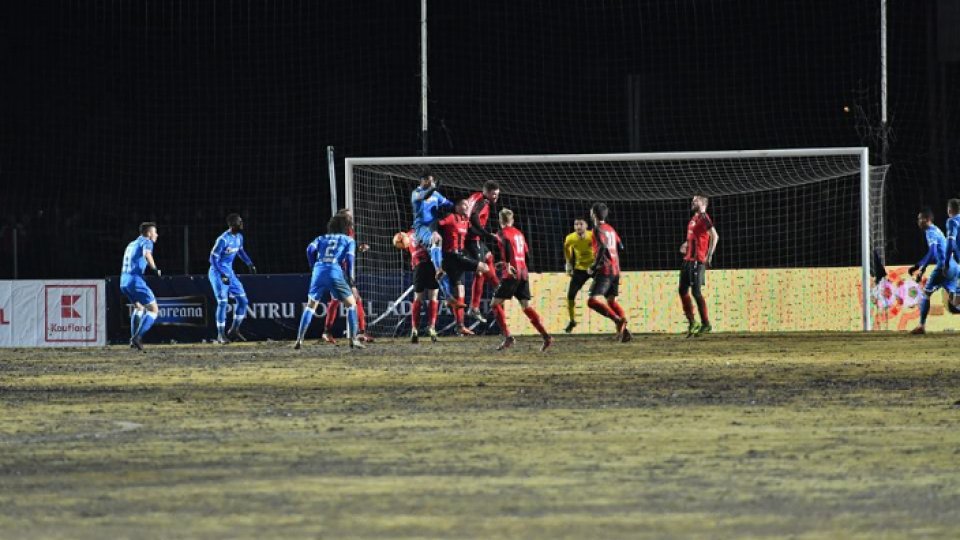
(118, 112)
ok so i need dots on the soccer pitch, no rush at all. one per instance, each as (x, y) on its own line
(801, 436)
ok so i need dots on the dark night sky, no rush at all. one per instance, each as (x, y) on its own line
(118, 112)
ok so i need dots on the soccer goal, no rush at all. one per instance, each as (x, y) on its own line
(797, 228)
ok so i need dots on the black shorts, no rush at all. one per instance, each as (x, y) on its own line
(577, 281)
(425, 277)
(477, 250)
(605, 285)
(455, 263)
(693, 274)
(513, 288)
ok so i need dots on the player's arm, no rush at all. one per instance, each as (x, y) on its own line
(932, 255)
(312, 250)
(568, 254)
(952, 242)
(215, 255)
(247, 260)
(148, 255)
(351, 259)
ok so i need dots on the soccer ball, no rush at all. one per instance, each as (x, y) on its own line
(401, 240)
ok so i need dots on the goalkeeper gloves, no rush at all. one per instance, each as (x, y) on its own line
(253, 269)
(569, 269)
(157, 270)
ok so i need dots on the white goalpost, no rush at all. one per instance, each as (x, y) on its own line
(798, 228)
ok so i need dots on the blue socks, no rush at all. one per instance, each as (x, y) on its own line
(436, 256)
(221, 316)
(304, 323)
(352, 321)
(135, 317)
(239, 313)
(924, 309)
(146, 322)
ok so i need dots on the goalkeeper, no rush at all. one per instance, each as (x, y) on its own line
(578, 253)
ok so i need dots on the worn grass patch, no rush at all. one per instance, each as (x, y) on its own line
(806, 436)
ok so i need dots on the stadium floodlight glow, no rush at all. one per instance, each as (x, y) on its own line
(775, 209)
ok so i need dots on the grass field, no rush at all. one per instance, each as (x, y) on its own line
(799, 436)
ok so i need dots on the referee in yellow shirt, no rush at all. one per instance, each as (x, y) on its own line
(578, 252)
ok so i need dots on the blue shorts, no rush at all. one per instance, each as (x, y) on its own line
(221, 290)
(135, 288)
(324, 282)
(942, 278)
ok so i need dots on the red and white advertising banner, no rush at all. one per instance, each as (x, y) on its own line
(61, 313)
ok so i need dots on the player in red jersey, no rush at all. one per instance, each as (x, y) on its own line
(479, 205)
(514, 281)
(453, 229)
(697, 252)
(333, 308)
(606, 271)
(425, 287)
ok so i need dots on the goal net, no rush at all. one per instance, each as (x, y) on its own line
(797, 232)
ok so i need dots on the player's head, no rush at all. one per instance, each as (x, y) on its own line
(580, 225)
(506, 217)
(345, 212)
(491, 190)
(235, 222)
(699, 203)
(461, 207)
(953, 207)
(338, 224)
(149, 229)
(426, 178)
(599, 212)
(925, 217)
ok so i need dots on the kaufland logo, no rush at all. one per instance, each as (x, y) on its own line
(3, 318)
(71, 313)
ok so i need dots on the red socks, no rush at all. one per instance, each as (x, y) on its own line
(501, 317)
(702, 308)
(432, 309)
(333, 309)
(458, 313)
(617, 308)
(476, 290)
(535, 320)
(687, 306)
(415, 314)
(361, 316)
(603, 309)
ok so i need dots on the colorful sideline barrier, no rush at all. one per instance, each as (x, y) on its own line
(58, 313)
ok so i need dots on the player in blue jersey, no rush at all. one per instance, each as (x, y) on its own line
(945, 271)
(429, 206)
(225, 282)
(136, 258)
(332, 257)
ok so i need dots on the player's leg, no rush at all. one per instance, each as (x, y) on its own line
(697, 282)
(415, 315)
(476, 251)
(220, 294)
(685, 301)
(333, 309)
(240, 309)
(936, 280)
(319, 288)
(577, 280)
(597, 301)
(613, 292)
(503, 293)
(145, 297)
(343, 291)
(522, 294)
(361, 318)
(433, 308)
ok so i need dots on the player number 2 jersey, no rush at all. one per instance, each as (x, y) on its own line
(513, 251)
